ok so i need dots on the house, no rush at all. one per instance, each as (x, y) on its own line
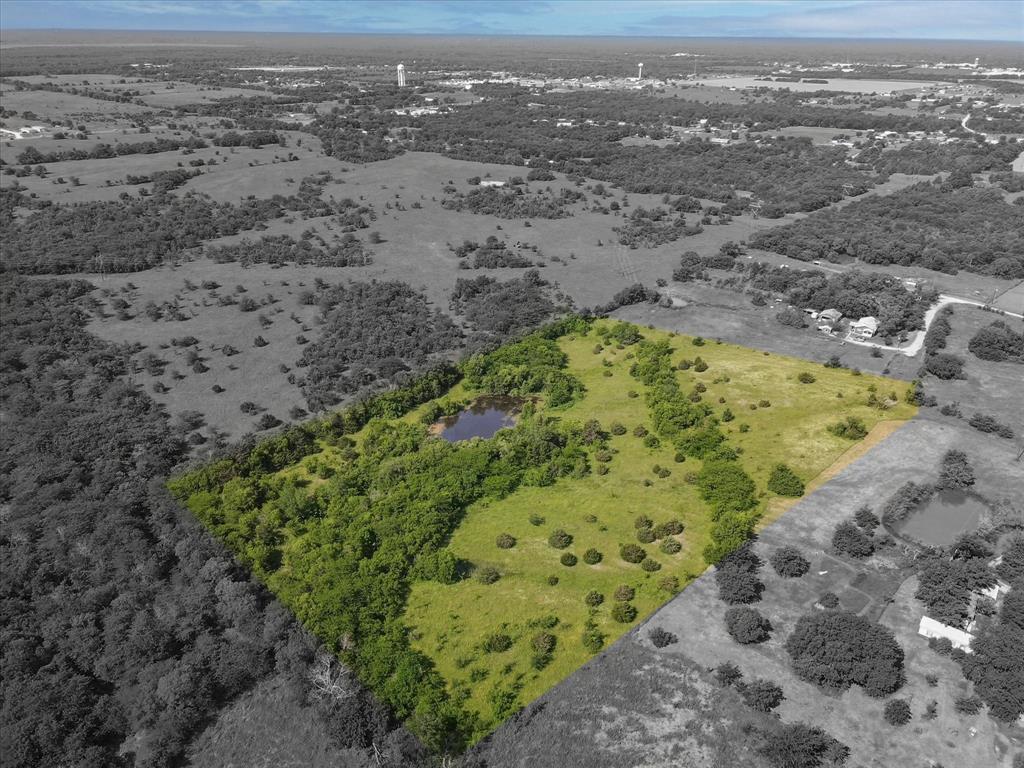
(864, 328)
(930, 628)
(828, 319)
(491, 183)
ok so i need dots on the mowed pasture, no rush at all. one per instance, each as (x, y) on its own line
(786, 421)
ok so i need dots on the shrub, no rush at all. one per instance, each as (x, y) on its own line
(553, 581)
(968, 705)
(593, 598)
(593, 639)
(837, 649)
(670, 546)
(536, 519)
(505, 541)
(955, 471)
(829, 601)
(487, 574)
(784, 481)
(746, 625)
(852, 428)
(645, 535)
(727, 674)
(789, 562)
(736, 576)
(497, 643)
(985, 423)
(943, 365)
(699, 365)
(798, 745)
(559, 539)
(640, 431)
(865, 519)
(623, 612)
(661, 638)
(897, 712)
(997, 342)
(632, 553)
(650, 565)
(602, 469)
(652, 441)
(543, 642)
(761, 695)
(851, 540)
(669, 584)
(592, 557)
(792, 317)
(806, 378)
(624, 593)
(568, 559)
(671, 527)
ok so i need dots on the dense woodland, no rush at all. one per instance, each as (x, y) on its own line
(123, 622)
(970, 229)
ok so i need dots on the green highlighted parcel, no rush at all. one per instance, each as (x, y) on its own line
(462, 580)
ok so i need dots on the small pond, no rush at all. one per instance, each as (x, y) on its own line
(483, 418)
(943, 517)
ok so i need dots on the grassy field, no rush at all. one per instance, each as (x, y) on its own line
(449, 623)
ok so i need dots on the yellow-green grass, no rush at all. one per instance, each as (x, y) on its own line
(449, 622)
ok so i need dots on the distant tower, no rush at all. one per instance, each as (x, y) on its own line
(976, 60)
(640, 72)
(401, 75)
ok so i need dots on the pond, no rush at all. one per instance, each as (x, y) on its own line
(483, 418)
(944, 517)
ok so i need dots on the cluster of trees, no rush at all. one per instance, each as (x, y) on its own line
(855, 294)
(284, 249)
(124, 623)
(945, 585)
(135, 233)
(493, 254)
(163, 181)
(514, 203)
(372, 333)
(252, 139)
(497, 309)
(694, 430)
(32, 156)
(650, 228)
(975, 230)
(928, 157)
(637, 293)
(359, 540)
(997, 342)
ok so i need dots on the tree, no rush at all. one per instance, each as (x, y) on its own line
(762, 695)
(955, 471)
(785, 482)
(798, 745)
(736, 576)
(789, 562)
(897, 712)
(850, 540)
(943, 365)
(837, 649)
(747, 625)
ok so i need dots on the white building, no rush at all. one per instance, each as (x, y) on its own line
(959, 638)
(864, 328)
(491, 183)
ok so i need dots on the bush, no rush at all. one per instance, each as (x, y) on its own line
(661, 638)
(645, 535)
(670, 546)
(955, 471)
(592, 557)
(487, 574)
(761, 695)
(798, 745)
(997, 342)
(736, 576)
(650, 565)
(568, 559)
(785, 482)
(593, 639)
(593, 598)
(852, 428)
(536, 519)
(543, 642)
(746, 625)
(623, 612)
(669, 584)
(632, 553)
(624, 593)
(618, 429)
(865, 519)
(943, 365)
(851, 540)
(505, 541)
(806, 378)
(559, 539)
(985, 423)
(497, 643)
(792, 317)
(727, 674)
(837, 649)
(897, 712)
(829, 601)
(789, 562)
(968, 705)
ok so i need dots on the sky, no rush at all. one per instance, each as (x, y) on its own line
(918, 19)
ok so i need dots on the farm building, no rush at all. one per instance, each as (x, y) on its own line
(864, 328)
(828, 319)
(930, 628)
(491, 183)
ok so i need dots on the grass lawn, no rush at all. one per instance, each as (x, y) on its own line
(450, 622)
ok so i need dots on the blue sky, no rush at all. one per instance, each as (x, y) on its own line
(936, 19)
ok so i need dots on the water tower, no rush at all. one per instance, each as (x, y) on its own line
(401, 75)
(640, 71)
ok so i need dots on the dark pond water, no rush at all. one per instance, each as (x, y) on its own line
(483, 418)
(944, 517)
